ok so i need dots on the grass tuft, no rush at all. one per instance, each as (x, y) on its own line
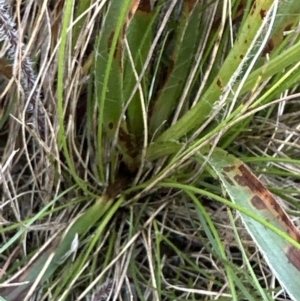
(123, 129)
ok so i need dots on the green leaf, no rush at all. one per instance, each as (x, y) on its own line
(139, 39)
(109, 73)
(228, 73)
(182, 59)
(247, 191)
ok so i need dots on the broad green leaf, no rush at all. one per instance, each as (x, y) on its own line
(108, 67)
(228, 71)
(247, 191)
(182, 59)
(286, 19)
(161, 149)
(139, 37)
(280, 62)
(81, 15)
(109, 75)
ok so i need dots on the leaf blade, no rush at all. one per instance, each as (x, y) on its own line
(246, 190)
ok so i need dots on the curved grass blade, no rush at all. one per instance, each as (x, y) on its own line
(246, 190)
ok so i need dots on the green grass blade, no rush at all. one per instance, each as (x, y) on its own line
(215, 240)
